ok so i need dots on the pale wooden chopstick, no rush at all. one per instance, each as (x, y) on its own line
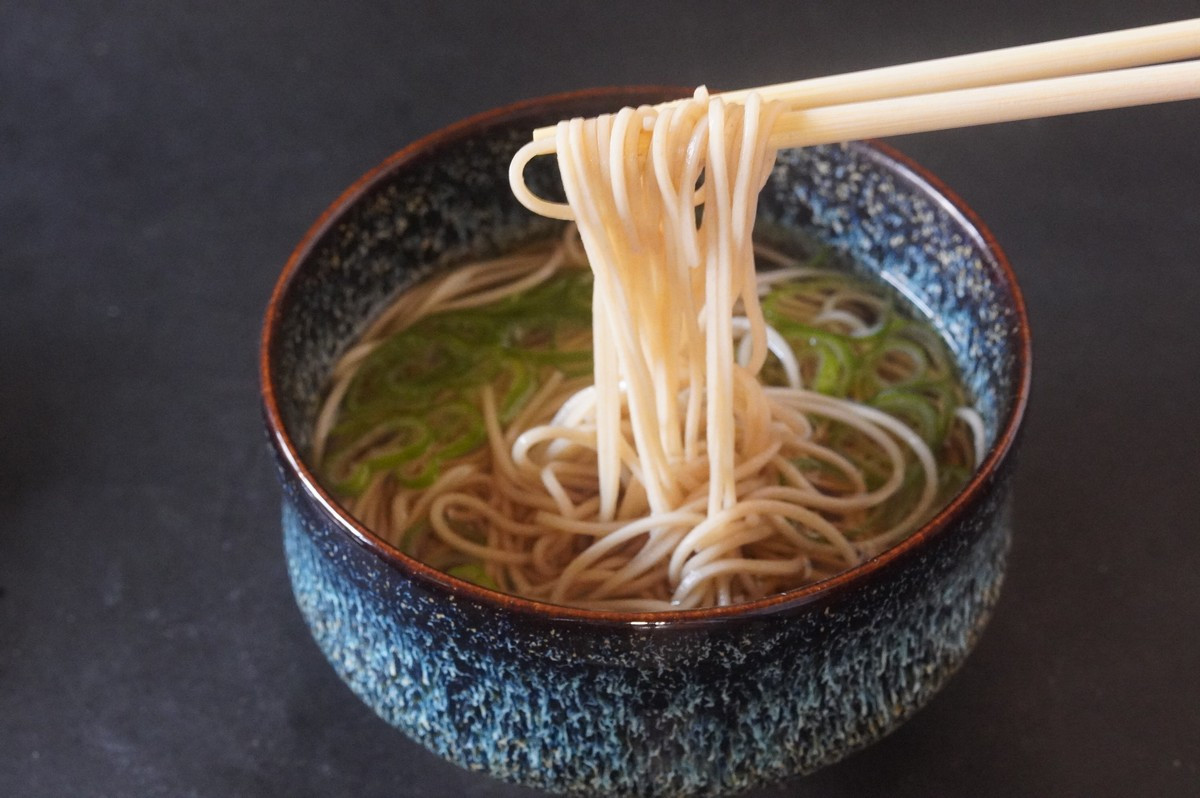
(1005, 103)
(949, 79)
(1153, 44)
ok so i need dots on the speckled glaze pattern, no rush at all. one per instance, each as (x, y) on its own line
(700, 703)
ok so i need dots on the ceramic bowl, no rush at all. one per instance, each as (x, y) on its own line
(595, 703)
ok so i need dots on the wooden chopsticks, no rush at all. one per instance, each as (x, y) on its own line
(1085, 73)
(980, 106)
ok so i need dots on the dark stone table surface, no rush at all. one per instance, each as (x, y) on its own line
(159, 160)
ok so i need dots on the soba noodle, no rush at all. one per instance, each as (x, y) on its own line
(693, 467)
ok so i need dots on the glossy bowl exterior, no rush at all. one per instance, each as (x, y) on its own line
(690, 703)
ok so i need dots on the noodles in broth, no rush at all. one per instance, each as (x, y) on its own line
(689, 443)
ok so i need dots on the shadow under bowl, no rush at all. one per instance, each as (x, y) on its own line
(598, 703)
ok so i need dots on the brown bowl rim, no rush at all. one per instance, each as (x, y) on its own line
(771, 605)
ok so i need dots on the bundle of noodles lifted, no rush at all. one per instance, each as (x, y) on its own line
(665, 430)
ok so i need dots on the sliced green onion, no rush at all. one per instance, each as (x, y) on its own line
(951, 478)
(459, 428)
(872, 378)
(411, 438)
(473, 572)
(930, 342)
(355, 482)
(914, 410)
(412, 538)
(418, 473)
(521, 386)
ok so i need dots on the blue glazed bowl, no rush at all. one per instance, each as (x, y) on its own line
(690, 703)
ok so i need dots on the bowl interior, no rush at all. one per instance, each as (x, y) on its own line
(446, 200)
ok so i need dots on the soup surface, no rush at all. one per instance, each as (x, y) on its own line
(432, 435)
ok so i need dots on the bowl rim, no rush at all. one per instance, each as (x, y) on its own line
(798, 598)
